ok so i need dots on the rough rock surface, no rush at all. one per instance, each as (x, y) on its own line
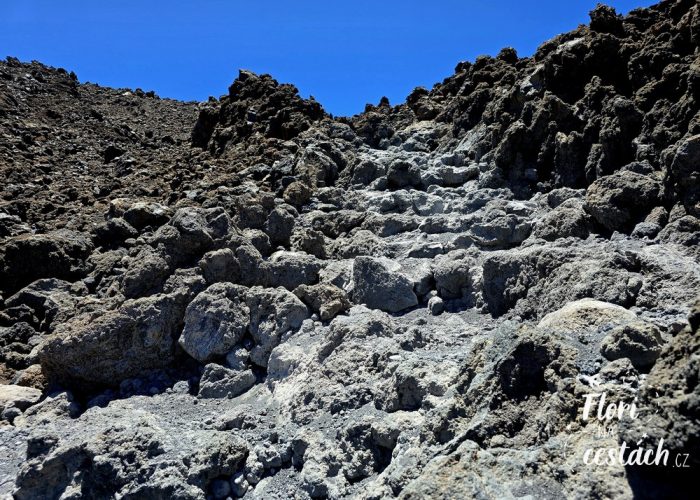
(251, 298)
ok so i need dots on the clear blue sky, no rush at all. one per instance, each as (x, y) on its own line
(343, 53)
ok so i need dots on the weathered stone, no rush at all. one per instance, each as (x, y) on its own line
(327, 300)
(640, 342)
(215, 321)
(18, 396)
(379, 286)
(221, 382)
(620, 200)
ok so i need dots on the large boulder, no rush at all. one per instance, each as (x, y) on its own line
(378, 285)
(215, 321)
(620, 200)
(273, 313)
(109, 346)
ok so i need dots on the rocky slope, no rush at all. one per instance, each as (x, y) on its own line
(251, 298)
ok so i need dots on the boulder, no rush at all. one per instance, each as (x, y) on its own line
(215, 321)
(436, 306)
(280, 225)
(685, 173)
(451, 274)
(147, 271)
(639, 341)
(567, 220)
(274, 312)
(110, 346)
(378, 285)
(620, 200)
(325, 299)
(291, 269)
(220, 382)
(18, 396)
(144, 214)
(297, 193)
(114, 231)
(220, 265)
(586, 314)
(60, 254)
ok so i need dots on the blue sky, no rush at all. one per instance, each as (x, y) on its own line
(343, 53)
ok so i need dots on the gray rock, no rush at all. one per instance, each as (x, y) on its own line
(220, 382)
(297, 193)
(436, 306)
(142, 214)
(500, 230)
(147, 272)
(113, 345)
(273, 313)
(639, 341)
(215, 321)
(452, 275)
(379, 286)
(220, 265)
(60, 254)
(618, 201)
(309, 241)
(684, 170)
(130, 448)
(327, 300)
(280, 225)
(114, 231)
(291, 269)
(567, 220)
(18, 396)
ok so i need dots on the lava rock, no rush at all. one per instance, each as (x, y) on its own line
(379, 286)
(639, 341)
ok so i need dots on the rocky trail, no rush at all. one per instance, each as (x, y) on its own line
(251, 298)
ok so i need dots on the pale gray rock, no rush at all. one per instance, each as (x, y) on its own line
(378, 285)
(220, 382)
(18, 396)
(436, 306)
(274, 312)
(215, 321)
